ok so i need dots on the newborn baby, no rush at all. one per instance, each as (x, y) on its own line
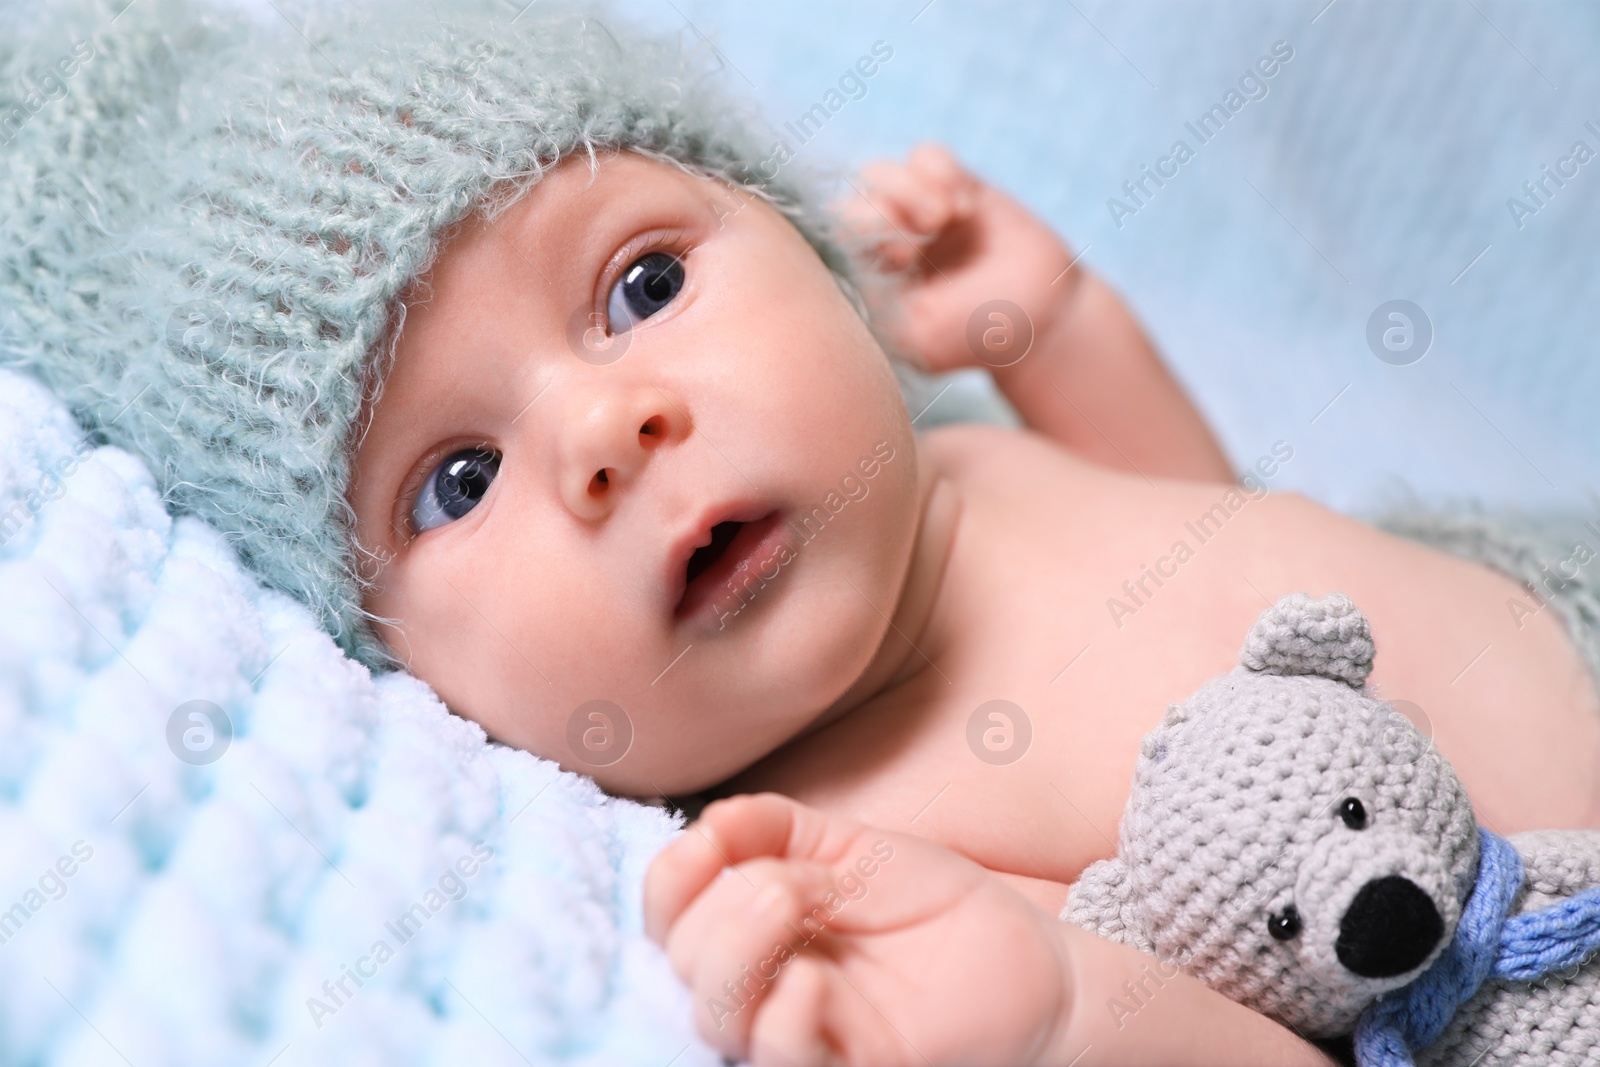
(731, 532)
(522, 361)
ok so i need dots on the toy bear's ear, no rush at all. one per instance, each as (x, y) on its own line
(1302, 635)
(1101, 901)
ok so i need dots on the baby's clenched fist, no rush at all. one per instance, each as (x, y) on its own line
(810, 939)
(948, 244)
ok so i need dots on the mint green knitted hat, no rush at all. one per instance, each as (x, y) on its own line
(207, 218)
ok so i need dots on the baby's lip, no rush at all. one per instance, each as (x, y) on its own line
(699, 532)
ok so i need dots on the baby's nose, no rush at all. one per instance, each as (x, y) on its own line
(608, 437)
(1390, 927)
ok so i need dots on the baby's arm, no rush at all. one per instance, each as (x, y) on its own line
(1091, 378)
(808, 939)
(1096, 384)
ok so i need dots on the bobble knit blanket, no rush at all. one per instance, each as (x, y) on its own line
(222, 842)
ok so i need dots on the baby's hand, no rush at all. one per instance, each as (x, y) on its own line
(809, 939)
(950, 244)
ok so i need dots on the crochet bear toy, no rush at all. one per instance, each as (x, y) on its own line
(1298, 845)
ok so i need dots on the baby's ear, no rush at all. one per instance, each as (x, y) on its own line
(1101, 901)
(1302, 635)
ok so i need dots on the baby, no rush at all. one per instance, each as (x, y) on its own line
(731, 534)
(582, 420)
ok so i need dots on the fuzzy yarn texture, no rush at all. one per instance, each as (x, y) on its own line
(210, 221)
(156, 911)
(1552, 556)
(1242, 861)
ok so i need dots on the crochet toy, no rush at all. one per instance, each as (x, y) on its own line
(1298, 845)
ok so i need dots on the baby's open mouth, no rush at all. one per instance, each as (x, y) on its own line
(721, 536)
(713, 568)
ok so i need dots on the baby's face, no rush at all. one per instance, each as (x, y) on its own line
(541, 501)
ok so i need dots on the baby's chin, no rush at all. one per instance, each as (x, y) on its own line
(700, 759)
(704, 735)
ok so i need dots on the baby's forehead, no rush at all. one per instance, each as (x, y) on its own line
(566, 197)
(576, 209)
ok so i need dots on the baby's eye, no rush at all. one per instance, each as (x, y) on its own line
(454, 487)
(647, 286)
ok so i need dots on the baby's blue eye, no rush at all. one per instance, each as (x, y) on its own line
(454, 487)
(647, 286)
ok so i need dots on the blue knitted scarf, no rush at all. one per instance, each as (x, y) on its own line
(1487, 942)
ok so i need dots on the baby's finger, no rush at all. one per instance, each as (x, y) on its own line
(733, 964)
(731, 832)
(724, 901)
(770, 824)
(684, 869)
(788, 1029)
(937, 165)
(677, 875)
(909, 202)
(758, 825)
(877, 233)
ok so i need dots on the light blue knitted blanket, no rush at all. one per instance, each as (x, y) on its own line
(357, 877)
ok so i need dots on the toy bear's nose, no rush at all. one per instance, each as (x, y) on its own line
(1389, 928)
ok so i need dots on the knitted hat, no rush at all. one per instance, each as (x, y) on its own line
(207, 218)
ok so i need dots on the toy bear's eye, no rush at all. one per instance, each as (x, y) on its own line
(1353, 813)
(1285, 925)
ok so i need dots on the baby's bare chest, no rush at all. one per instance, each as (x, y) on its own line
(1077, 605)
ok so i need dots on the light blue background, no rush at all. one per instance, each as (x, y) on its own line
(1384, 155)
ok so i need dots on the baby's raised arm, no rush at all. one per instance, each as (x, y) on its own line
(810, 939)
(957, 251)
